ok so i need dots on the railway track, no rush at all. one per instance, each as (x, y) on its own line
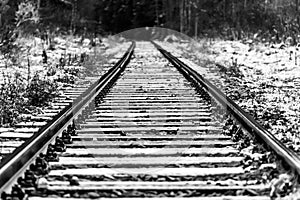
(13, 137)
(151, 127)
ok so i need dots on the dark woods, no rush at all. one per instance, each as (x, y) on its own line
(275, 20)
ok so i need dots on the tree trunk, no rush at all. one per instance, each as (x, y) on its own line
(185, 19)
(156, 12)
(181, 15)
(225, 9)
(266, 4)
(74, 16)
(169, 10)
(190, 17)
(186, 8)
(196, 25)
(233, 12)
(28, 69)
(297, 10)
(166, 11)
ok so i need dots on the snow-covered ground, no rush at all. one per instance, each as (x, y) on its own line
(76, 54)
(263, 79)
(31, 49)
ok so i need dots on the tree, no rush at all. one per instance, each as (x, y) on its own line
(3, 9)
(27, 12)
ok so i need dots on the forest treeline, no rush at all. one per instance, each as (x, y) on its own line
(274, 20)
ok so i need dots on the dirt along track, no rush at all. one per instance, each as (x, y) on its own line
(153, 132)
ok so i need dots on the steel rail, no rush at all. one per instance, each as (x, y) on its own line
(12, 166)
(248, 122)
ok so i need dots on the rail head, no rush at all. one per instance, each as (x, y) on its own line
(244, 118)
(13, 165)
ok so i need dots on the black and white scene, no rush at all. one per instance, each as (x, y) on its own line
(150, 99)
